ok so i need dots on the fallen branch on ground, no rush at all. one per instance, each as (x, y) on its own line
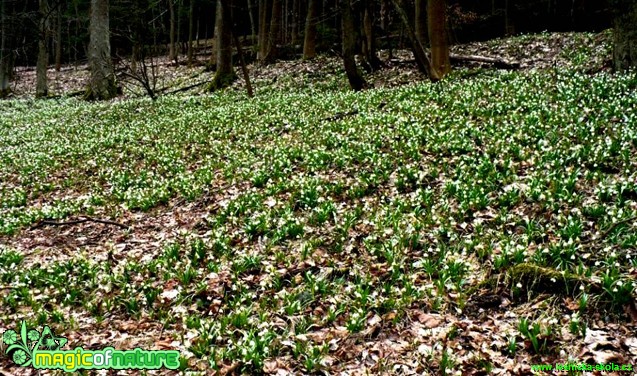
(47, 222)
(455, 58)
(187, 87)
(496, 61)
(341, 115)
(609, 230)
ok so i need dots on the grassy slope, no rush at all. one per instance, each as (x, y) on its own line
(293, 233)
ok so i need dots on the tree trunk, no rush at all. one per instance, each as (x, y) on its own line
(384, 15)
(58, 39)
(263, 29)
(421, 22)
(309, 45)
(369, 40)
(285, 17)
(385, 22)
(275, 30)
(509, 27)
(356, 80)
(253, 26)
(422, 60)
(244, 67)
(42, 85)
(102, 80)
(436, 12)
(191, 26)
(180, 46)
(6, 52)
(296, 7)
(135, 56)
(625, 35)
(77, 32)
(224, 75)
(172, 53)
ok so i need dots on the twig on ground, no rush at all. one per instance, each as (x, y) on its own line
(47, 222)
(341, 115)
(609, 230)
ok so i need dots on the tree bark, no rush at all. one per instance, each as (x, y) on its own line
(437, 17)
(496, 61)
(369, 39)
(102, 80)
(77, 32)
(42, 85)
(625, 35)
(224, 75)
(6, 52)
(285, 18)
(244, 67)
(309, 45)
(421, 22)
(422, 60)
(172, 52)
(180, 46)
(191, 27)
(296, 17)
(263, 29)
(253, 26)
(275, 29)
(58, 38)
(354, 76)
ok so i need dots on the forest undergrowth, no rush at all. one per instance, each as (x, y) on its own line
(481, 224)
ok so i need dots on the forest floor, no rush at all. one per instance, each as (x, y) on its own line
(480, 225)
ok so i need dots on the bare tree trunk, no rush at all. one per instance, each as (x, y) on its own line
(625, 35)
(508, 27)
(58, 38)
(42, 85)
(197, 33)
(172, 53)
(68, 41)
(6, 53)
(285, 15)
(421, 21)
(77, 32)
(356, 80)
(224, 75)
(385, 21)
(422, 60)
(215, 33)
(135, 56)
(179, 46)
(263, 29)
(102, 80)
(309, 45)
(244, 68)
(295, 21)
(437, 17)
(369, 37)
(191, 26)
(253, 26)
(275, 30)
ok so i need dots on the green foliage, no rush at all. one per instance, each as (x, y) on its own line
(314, 222)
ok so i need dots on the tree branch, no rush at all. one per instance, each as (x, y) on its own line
(47, 222)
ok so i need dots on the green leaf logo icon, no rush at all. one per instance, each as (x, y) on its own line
(9, 337)
(22, 344)
(20, 357)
